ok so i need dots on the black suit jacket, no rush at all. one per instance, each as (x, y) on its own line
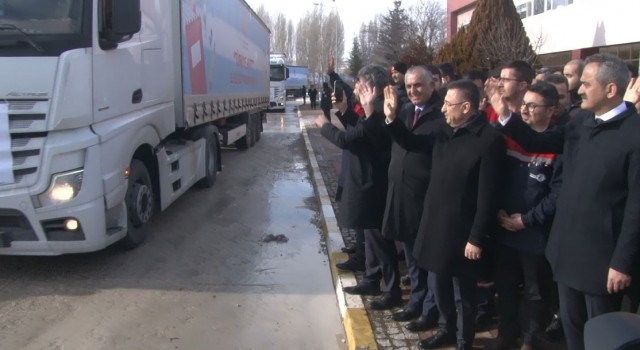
(597, 222)
(409, 174)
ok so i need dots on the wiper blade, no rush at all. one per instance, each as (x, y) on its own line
(7, 26)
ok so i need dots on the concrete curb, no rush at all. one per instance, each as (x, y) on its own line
(355, 320)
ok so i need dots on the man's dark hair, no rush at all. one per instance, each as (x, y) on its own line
(548, 92)
(433, 69)
(468, 90)
(375, 75)
(523, 70)
(633, 69)
(475, 74)
(557, 79)
(446, 70)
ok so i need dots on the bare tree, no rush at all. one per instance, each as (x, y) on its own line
(332, 38)
(264, 16)
(514, 44)
(429, 20)
(308, 37)
(279, 35)
(290, 44)
(367, 38)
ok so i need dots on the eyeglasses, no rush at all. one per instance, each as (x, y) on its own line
(449, 104)
(504, 79)
(530, 107)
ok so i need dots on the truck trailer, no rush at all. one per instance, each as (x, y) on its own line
(298, 77)
(112, 109)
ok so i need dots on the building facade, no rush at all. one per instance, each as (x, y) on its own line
(561, 30)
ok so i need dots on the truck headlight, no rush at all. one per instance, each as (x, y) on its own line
(63, 188)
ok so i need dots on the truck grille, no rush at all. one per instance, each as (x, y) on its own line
(27, 126)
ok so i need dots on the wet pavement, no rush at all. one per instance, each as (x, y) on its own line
(388, 333)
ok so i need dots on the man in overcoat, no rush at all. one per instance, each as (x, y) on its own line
(594, 241)
(365, 188)
(409, 174)
(460, 205)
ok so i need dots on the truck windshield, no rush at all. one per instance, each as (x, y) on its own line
(43, 27)
(276, 73)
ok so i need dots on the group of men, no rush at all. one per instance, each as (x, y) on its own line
(546, 176)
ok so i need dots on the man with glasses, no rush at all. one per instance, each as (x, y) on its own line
(594, 243)
(460, 206)
(531, 186)
(515, 77)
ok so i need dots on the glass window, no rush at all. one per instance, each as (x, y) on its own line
(42, 17)
(276, 73)
(538, 7)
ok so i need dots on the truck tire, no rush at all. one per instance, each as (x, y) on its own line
(258, 127)
(140, 203)
(246, 141)
(210, 134)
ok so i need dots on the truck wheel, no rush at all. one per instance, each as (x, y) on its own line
(258, 127)
(246, 141)
(140, 204)
(209, 133)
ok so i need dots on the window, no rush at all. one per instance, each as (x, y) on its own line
(524, 10)
(538, 7)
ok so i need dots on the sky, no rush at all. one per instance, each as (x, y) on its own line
(352, 12)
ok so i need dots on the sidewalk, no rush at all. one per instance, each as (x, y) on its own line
(365, 328)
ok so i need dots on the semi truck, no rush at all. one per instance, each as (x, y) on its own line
(298, 77)
(110, 110)
(278, 73)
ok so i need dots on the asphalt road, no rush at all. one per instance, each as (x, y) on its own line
(205, 279)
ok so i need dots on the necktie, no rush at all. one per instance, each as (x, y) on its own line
(416, 116)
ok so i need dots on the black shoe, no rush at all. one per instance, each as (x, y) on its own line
(406, 315)
(386, 302)
(421, 324)
(554, 331)
(362, 289)
(349, 249)
(351, 265)
(405, 280)
(503, 343)
(440, 339)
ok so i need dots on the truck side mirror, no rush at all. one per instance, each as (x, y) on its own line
(286, 73)
(120, 19)
(127, 18)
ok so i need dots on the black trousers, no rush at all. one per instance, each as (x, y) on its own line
(455, 296)
(381, 260)
(577, 307)
(514, 266)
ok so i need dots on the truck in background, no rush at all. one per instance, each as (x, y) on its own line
(111, 110)
(297, 79)
(278, 73)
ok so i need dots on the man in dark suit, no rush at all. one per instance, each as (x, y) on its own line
(594, 241)
(409, 174)
(460, 205)
(365, 188)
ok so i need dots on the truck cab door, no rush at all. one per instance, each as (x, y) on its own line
(117, 60)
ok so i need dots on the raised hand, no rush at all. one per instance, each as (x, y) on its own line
(367, 95)
(499, 104)
(390, 102)
(331, 63)
(633, 92)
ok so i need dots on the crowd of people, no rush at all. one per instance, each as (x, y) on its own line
(514, 185)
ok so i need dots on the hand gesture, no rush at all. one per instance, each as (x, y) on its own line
(341, 105)
(321, 120)
(331, 63)
(472, 252)
(617, 281)
(368, 94)
(390, 102)
(499, 104)
(633, 92)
